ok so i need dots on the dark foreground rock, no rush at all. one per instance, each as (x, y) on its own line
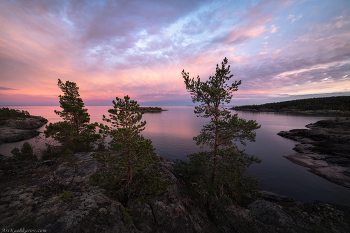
(19, 129)
(56, 196)
(324, 149)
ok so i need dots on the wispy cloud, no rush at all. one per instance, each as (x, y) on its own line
(6, 88)
(296, 18)
(290, 17)
(273, 29)
(338, 17)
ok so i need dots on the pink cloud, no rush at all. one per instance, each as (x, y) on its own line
(273, 29)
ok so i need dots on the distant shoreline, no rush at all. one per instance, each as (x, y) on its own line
(299, 112)
(326, 106)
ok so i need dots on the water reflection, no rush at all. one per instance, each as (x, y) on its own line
(172, 131)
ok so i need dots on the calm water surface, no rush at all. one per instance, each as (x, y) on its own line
(172, 131)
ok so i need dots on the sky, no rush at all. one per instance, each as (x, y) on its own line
(281, 50)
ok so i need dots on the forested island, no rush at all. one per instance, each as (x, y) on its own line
(332, 106)
(151, 109)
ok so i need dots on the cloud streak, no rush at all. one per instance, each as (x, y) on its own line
(6, 88)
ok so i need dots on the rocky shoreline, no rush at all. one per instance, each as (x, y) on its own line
(57, 196)
(18, 129)
(324, 149)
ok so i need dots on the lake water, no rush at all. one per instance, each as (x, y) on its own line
(172, 131)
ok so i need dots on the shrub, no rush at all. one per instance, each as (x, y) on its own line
(26, 152)
(66, 195)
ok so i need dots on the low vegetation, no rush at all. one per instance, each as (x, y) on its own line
(25, 153)
(12, 113)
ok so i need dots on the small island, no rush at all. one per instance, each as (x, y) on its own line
(327, 106)
(151, 109)
(18, 125)
(324, 149)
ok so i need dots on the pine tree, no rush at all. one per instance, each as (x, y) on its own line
(75, 132)
(134, 167)
(126, 138)
(26, 153)
(225, 164)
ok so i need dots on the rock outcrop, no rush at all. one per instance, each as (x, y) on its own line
(19, 129)
(324, 149)
(32, 122)
(57, 196)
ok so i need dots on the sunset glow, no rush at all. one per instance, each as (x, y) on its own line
(281, 50)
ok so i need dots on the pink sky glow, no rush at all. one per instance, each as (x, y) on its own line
(281, 50)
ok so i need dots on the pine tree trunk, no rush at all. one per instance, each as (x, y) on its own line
(129, 126)
(216, 146)
(130, 168)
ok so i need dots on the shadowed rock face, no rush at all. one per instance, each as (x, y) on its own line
(19, 129)
(324, 148)
(89, 210)
(32, 198)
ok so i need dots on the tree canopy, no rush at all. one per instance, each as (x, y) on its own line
(75, 132)
(125, 132)
(134, 167)
(11, 113)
